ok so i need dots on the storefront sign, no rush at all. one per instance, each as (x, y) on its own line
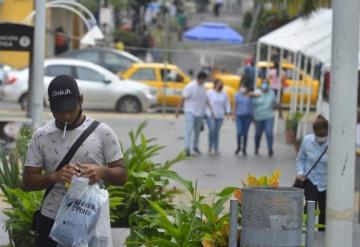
(16, 37)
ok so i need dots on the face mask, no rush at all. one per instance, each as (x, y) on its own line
(321, 139)
(242, 90)
(264, 86)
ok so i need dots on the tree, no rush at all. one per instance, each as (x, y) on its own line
(292, 7)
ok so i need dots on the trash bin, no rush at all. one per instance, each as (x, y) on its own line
(271, 217)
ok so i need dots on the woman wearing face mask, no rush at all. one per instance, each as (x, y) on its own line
(220, 104)
(264, 105)
(243, 117)
(313, 154)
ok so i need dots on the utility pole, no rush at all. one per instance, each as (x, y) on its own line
(37, 80)
(165, 57)
(343, 109)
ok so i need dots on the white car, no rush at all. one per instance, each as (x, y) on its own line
(101, 88)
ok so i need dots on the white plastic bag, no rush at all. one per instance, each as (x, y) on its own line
(101, 235)
(77, 221)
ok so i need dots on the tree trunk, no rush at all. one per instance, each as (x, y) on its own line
(256, 12)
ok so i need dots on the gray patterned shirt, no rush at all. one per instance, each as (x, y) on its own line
(48, 147)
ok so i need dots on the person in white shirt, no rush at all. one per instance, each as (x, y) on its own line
(220, 104)
(194, 100)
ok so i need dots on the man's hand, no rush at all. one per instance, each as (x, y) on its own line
(94, 172)
(64, 175)
(300, 177)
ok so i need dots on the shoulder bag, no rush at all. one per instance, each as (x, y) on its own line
(301, 184)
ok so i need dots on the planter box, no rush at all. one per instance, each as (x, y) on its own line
(290, 136)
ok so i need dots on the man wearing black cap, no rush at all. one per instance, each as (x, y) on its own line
(98, 157)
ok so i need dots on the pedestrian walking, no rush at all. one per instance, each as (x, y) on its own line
(274, 79)
(264, 104)
(311, 166)
(157, 37)
(220, 104)
(194, 100)
(217, 7)
(243, 115)
(248, 74)
(70, 145)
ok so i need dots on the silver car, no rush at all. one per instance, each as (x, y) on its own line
(101, 88)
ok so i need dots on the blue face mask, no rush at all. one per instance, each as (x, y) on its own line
(264, 86)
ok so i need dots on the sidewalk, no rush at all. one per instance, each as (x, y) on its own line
(211, 172)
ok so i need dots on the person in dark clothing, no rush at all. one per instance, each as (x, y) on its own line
(61, 41)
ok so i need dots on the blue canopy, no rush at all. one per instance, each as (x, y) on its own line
(214, 32)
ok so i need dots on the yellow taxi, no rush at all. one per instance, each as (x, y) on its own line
(167, 78)
(227, 79)
(233, 81)
(288, 83)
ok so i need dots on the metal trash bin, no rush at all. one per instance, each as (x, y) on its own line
(271, 217)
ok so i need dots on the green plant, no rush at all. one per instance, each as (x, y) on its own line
(11, 163)
(9, 170)
(292, 121)
(147, 180)
(193, 224)
(22, 205)
(19, 216)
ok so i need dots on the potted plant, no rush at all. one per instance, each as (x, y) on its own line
(21, 205)
(291, 125)
(146, 180)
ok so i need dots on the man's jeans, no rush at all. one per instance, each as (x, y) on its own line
(266, 125)
(214, 125)
(193, 124)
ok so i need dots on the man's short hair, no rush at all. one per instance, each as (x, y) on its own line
(202, 75)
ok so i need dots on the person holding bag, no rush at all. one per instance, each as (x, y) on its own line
(72, 144)
(311, 165)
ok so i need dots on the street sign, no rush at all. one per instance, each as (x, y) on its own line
(16, 37)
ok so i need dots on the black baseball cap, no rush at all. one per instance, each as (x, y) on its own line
(63, 94)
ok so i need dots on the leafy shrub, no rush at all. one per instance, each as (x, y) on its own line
(146, 179)
(197, 223)
(292, 121)
(20, 214)
(22, 204)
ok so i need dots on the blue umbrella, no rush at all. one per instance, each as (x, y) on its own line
(214, 32)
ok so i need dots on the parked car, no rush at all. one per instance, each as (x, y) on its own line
(157, 75)
(111, 59)
(101, 88)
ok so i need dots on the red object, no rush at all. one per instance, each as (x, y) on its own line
(10, 80)
(327, 79)
(249, 61)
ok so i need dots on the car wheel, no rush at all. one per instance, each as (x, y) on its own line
(24, 102)
(128, 104)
